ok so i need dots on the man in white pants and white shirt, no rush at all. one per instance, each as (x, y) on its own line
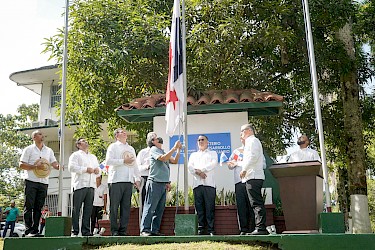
(99, 204)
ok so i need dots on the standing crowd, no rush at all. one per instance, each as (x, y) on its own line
(149, 172)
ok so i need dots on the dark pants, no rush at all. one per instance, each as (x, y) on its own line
(120, 196)
(41, 227)
(8, 224)
(35, 195)
(245, 213)
(254, 190)
(83, 196)
(96, 215)
(204, 201)
(144, 190)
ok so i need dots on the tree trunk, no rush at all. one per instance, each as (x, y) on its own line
(343, 193)
(354, 136)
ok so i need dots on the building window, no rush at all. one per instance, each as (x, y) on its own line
(55, 95)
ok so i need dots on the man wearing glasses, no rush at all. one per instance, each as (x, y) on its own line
(122, 173)
(253, 175)
(84, 168)
(201, 165)
(158, 184)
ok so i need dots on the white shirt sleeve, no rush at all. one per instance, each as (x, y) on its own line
(252, 152)
(143, 159)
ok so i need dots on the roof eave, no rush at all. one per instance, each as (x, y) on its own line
(253, 108)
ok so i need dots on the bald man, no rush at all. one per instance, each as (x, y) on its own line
(304, 153)
(35, 186)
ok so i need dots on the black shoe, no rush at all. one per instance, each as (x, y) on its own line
(259, 232)
(87, 234)
(115, 234)
(121, 234)
(146, 234)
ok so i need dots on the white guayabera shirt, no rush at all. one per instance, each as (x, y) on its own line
(305, 154)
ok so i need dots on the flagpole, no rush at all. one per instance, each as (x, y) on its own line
(314, 80)
(62, 111)
(184, 120)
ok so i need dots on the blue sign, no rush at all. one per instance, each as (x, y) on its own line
(219, 142)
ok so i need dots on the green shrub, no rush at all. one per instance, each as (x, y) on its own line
(222, 197)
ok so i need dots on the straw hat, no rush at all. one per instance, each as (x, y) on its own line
(129, 155)
(44, 170)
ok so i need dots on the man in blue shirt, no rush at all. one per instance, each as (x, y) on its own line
(11, 212)
(157, 185)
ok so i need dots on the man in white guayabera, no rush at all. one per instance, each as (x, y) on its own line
(304, 153)
(122, 174)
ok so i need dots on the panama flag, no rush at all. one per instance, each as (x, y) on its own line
(175, 87)
(223, 158)
(237, 154)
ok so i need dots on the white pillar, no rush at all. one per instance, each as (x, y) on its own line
(360, 214)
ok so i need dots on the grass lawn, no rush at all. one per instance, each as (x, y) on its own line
(205, 245)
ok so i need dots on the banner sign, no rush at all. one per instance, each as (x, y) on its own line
(219, 142)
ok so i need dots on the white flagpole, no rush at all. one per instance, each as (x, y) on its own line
(62, 111)
(186, 184)
(310, 46)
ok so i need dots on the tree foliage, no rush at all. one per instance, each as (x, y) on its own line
(11, 143)
(116, 52)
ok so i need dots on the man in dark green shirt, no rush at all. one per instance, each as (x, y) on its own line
(11, 212)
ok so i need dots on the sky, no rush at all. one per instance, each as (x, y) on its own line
(24, 24)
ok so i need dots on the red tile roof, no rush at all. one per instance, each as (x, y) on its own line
(208, 97)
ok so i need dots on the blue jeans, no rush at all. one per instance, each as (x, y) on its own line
(154, 206)
(7, 224)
